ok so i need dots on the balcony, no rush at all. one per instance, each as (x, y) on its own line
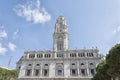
(37, 67)
(82, 66)
(29, 67)
(46, 67)
(73, 67)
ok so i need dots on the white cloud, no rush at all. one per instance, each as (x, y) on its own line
(11, 46)
(3, 33)
(31, 11)
(116, 30)
(2, 49)
(15, 34)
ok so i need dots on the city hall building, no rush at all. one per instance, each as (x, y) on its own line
(59, 63)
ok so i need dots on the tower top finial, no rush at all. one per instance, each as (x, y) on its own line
(61, 17)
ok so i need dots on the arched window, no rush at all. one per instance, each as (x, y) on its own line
(73, 63)
(37, 64)
(82, 63)
(45, 70)
(29, 64)
(46, 64)
(91, 64)
(59, 69)
(73, 69)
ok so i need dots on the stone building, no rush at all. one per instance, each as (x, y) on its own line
(59, 63)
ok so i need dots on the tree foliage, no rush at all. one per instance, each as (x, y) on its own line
(101, 72)
(6, 74)
(113, 61)
(111, 67)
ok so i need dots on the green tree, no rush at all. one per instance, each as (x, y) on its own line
(110, 68)
(113, 61)
(6, 74)
(101, 72)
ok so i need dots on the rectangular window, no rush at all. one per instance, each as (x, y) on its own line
(28, 72)
(60, 55)
(60, 45)
(73, 55)
(83, 72)
(36, 72)
(47, 55)
(59, 72)
(39, 55)
(31, 55)
(45, 72)
(92, 71)
(74, 72)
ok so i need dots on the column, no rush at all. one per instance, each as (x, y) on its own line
(87, 68)
(55, 55)
(85, 54)
(66, 69)
(35, 56)
(41, 69)
(77, 54)
(52, 69)
(32, 69)
(43, 55)
(78, 68)
(27, 56)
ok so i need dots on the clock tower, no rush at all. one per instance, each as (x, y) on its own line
(60, 35)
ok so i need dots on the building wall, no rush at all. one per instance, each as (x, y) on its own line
(52, 63)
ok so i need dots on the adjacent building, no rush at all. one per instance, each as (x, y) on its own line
(59, 63)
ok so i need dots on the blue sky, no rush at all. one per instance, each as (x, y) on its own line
(29, 24)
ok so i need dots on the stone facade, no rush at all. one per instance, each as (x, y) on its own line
(59, 63)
